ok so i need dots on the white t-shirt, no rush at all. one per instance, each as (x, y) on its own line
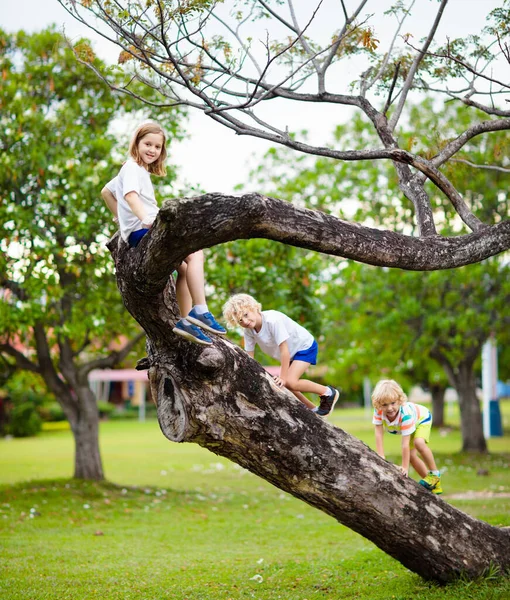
(277, 328)
(133, 178)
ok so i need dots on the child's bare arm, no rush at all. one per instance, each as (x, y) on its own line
(135, 204)
(406, 453)
(284, 364)
(379, 441)
(110, 200)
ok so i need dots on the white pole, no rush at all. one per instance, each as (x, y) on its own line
(489, 381)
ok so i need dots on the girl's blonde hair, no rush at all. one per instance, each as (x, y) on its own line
(236, 305)
(158, 166)
(387, 390)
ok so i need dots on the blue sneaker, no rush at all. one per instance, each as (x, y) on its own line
(191, 333)
(327, 403)
(206, 321)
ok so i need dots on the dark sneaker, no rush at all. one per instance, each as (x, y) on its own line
(327, 403)
(206, 321)
(191, 333)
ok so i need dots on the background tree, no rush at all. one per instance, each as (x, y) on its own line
(418, 319)
(231, 60)
(444, 316)
(60, 310)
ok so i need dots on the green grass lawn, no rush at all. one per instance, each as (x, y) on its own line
(177, 522)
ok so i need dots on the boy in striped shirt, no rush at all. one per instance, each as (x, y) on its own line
(413, 422)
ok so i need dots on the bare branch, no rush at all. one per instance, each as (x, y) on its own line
(477, 73)
(484, 167)
(387, 57)
(301, 34)
(239, 39)
(256, 216)
(388, 101)
(477, 129)
(414, 67)
(113, 359)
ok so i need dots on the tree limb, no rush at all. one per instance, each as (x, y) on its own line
(254, 216)
(112, 360)
(414, 67)
(22, 362)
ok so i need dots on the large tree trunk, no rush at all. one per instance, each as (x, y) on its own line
(78, 403)
(85, 428)
(462, 378)
(223, 400)
(438, 393)
(471, 422)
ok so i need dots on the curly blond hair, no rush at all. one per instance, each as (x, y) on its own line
(387, 390)
(158, 166)
(236, 305)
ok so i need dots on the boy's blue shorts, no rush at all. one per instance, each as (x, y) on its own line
(136, 236)
(309, 355)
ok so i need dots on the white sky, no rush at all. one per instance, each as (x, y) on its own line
(212, 156)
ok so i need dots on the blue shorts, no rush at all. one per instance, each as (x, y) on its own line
(309, 355)
(136, 236)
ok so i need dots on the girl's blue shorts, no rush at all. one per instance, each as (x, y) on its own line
(136, 236)
(309, 355)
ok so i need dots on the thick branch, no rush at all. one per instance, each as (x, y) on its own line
(188, 224)
(112, 360)
(46, 367)
(22, 362)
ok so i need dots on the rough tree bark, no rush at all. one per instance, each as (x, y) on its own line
(223, 400)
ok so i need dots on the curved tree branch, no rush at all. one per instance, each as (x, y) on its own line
(219, 218)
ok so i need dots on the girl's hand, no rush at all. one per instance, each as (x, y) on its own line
(404, 471)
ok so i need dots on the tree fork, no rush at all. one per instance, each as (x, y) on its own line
(223, 400)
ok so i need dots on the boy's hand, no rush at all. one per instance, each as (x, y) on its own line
(279, 381)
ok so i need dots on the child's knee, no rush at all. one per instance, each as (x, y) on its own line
(196, 257)
(292, 384)
(182, 268)
(420, 444)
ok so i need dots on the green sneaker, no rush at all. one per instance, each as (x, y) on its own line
(430, 481)
(438, 489)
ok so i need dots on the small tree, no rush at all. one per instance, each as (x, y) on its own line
(60, 309)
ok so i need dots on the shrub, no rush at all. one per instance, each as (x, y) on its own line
(105, 409)
(52, 412)
(24, 420)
